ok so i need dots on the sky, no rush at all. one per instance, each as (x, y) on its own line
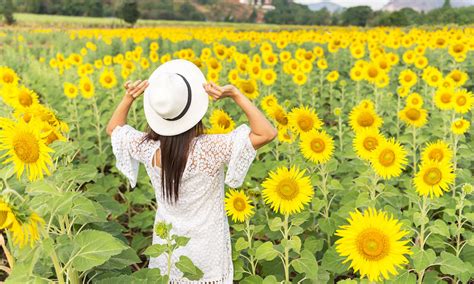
(375, 4)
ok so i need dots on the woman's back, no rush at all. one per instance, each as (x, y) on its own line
(199, 212)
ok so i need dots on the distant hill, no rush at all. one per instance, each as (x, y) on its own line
(423, 5)
(332, 7)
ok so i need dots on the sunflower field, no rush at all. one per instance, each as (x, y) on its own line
(369, 181)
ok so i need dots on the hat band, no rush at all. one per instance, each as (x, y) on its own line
(188, 103)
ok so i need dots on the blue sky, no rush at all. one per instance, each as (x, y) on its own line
(375, 4)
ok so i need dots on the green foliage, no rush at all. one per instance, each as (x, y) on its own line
(356, 16)
(129, 11)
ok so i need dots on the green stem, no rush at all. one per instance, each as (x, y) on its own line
(341, 145)
(286, 256)
(76, 118)
(57, 267)
(459, 220)
(97, 126)
(424, 213)
(249, 239)
(414, 149)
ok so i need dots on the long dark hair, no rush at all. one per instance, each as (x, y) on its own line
(174, 155)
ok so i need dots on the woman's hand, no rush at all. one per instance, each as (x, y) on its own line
(218, 92)
(135, 89)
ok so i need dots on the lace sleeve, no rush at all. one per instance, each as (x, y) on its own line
(238, 155)
(129, 151)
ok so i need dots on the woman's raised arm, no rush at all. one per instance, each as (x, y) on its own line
(263, 131)
(119, 117)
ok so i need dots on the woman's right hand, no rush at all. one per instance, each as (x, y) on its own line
(134, 89)
(217, 92)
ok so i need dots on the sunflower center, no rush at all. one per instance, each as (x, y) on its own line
(25, 99)
(305, 123)
(373, 244)
(87, 87)
(459, 124)
(239, 204)
(387, 157)
(7, 78)
(432, 176)
(373, 72)
(413, 114)
(288, 189)
(26, 148)
(446, 98)
(436, 154)
(281, 117)
(407, 78)
(415, 101)
(456, 77)
(224, 122)
(365, 119)
(370, 143)
(318, 145)
(248, 88)
(108, 79)
(460, 101)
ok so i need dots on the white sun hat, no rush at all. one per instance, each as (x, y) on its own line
(175, 99)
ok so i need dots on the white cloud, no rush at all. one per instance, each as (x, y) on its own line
(375, 4)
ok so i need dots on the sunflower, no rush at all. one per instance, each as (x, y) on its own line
(332, 76)
(414, 116)
(437, 151)
(7, 217)
(362, 117)
(460, 126)
(459, 77)
(268, 77)
(414, 100)
(107, 79)
(219, 119)
(303, 119)
(444, 98)
(372, 243)
(433, 178)
(372, 72)
(26, 148)
(248, 87)
(462, 101)
(279, 115)
(87, 87)
(407, 78)
(285, 135)
(237, 205)
(268, 102)
(8, 76)
(70, 90)
(389, 159)
(365, 142)
(299, 78)
(21, 97)
(317, 146)
(287, 190)
(27, 230)
(356, 74)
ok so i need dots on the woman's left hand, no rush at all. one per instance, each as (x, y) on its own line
(135, 89)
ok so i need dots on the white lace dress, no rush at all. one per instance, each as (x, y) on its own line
(199, 212)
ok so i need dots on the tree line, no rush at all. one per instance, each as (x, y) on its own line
(285, 12)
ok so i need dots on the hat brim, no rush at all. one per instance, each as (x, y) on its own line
(199, 99)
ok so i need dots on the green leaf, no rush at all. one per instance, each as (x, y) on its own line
(253, 279)
(295, 244)
(155, 250)
(418, 219)
(332, 261)
(125, 258)
(271, 279)
(266, 251)
(422, 258)
(275, 224)
(404, 277)
(451, 264)
(93, 248)
(181, 241)
(306, 264)
(188, 268)
(241, 244)
(439, 227)
(313, 244)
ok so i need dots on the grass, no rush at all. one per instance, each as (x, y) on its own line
(59, 21)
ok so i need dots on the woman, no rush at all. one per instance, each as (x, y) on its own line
(191, 194)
